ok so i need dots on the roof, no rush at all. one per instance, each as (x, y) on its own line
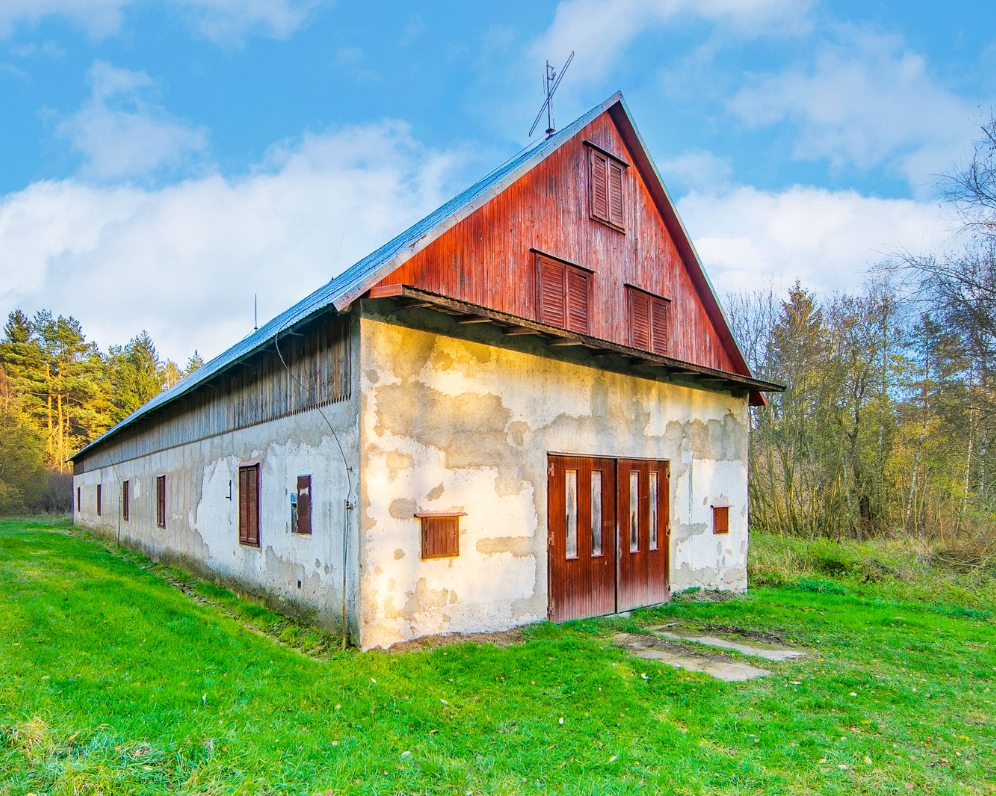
(339, 293)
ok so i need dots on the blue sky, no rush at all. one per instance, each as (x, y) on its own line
(164, 160)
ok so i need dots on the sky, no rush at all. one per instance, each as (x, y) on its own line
(163, 161)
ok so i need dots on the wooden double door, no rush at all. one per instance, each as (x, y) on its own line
(608, 535)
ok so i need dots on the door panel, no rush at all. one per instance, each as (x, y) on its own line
(643, 543)
(582, 532)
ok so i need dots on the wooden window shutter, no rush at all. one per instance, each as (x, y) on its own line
(599, 185)
(615, 192)
(659, 326)
(550, 292)
(440, 535)
(249, 505)
(720, 519)
(98, 499)
(578, 292)
(639, 318)
(161, 501)
(304, 504)
(125, 501)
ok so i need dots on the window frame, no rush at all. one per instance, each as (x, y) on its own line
(440, 537)
(720, 519)
(569, 309)
(161, 501)
(303, 498)
(658, 321)
(245, 510)
(612, 165)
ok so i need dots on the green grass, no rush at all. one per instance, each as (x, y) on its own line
(113, 680)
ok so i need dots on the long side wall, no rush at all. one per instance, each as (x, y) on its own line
(298, 573)
(451, 424)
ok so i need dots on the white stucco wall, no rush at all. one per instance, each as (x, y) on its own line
(447, 424)
(202, 531)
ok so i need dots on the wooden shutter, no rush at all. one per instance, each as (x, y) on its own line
(578, 291)
(98, 500)
(161, 501)
(659, 326)
(639, 319)
(720, 519)
(550, 292)
(440, 535)
(125, 501)
(304, 504)
(249, 505)
(599, 185)
(615, 191)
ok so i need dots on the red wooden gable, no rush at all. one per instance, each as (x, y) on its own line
(489, 258)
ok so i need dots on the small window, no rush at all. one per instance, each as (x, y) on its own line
(648, 315)
(607, 188)
(440, 534)
(98, 499)
(161, 501)
(125, 501)
(720, 519)
(303, 504)
(249, 505)
(596, 513)
(654, 513)
(563, 294)
(79, 499)
(571, 519)
(634, 511)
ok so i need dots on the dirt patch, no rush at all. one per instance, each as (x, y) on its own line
(753, 635)
(681, 656)
(505, 638)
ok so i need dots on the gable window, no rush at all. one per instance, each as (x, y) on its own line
(98, 500)
(303, 523)
(563, 294)
(607, 198)
(249, 505)
(161, 501)
(125, 501)
(440, 534)
(648, 321)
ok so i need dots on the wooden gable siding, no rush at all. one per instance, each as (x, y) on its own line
(318, 372)
(487, 258)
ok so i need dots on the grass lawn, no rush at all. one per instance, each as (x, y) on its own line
(113, 680)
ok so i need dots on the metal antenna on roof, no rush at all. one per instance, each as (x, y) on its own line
(255, 314)
(552, 80)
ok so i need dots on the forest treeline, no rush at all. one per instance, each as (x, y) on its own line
(888, 422)
(58, 392)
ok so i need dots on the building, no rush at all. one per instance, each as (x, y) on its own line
(527, 406)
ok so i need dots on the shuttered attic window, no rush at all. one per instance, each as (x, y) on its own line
(563, 294)
(649, 322)
(606, 187)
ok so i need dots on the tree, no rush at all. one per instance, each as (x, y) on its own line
(22, 469)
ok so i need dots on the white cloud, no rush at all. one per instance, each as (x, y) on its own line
(827, 239)
(865, 102)
(120, 133)
(599, 30)
(219, 20)
(184, 261)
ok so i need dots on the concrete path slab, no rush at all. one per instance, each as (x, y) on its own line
(680, 657)
(770, 652)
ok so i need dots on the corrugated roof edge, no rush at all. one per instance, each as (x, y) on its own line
(342, 290)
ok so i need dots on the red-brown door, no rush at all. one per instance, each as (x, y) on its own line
(608, 535)
(642, 506)
(582, 518)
